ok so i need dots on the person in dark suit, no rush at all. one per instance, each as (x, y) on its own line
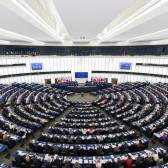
(70, 131)
(109, 150)
(1, 136)
(57, 131)
(117, 129)
(36, 161)
(118, 163)
(97, 131)
(93, 140)
(62, 139)
(123, 147)
(68, 163)
(18, 158)
(63, 132)
(109, 164)
(75, 150)
(107, 139)
(77, 132)
(99, 150)
(64, 150)
(47, 148)
(77, 165)
(57, 162)
(47, 164)
(148, 159)
(78, 140)
(139, 158)
(56, 149)
(81, 152)
(27, 160)
(117, 149)
(70, 140)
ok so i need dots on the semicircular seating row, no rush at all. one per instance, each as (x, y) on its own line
(86, 132)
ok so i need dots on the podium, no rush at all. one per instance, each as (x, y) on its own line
(82, 94)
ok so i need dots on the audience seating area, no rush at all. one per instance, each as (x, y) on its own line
(115, 130)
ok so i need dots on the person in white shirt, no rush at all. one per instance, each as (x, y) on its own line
(55, 156)
(11, 126)
(98, 163)
(84, 131)
(100, 139)
(48, 158)
(155, 156)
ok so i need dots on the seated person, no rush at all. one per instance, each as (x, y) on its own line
(155, 157)
(91, 132)
(139, 158)
(100, 139)
(109, 150)
(57, 162)
(99, 150)
(117, 149)
(164, 138)
(47, 161)
(148, 159)
(140, 145)
(128, 162)
(28, 160)
(47, 148)
(18, 157)
(75, 149)
(98, 163)
(37, 161)
(109, 164)
(84, 131)
(123, 147)
(77, 165)
(5, 137)
(68, 163)
(118, 163)
(78, 140)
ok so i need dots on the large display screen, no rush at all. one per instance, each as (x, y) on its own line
(36, 66)
(125, 65)
(81, 74)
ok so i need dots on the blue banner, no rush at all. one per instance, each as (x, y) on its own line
(81, 74)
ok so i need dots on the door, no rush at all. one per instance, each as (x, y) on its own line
(106, 80)
(56, 80)
(114, 80)
(47, 81)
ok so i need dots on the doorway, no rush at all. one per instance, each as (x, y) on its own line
(114, 80)
(47, 81)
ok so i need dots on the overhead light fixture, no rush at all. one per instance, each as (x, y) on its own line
(26, 8)
(4, 42)
(18, 36)
(146, 35)
(122, 43)
(158, 42)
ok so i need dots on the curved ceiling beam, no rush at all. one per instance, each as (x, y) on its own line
(150, 35)
(25, 11)
(19, 37)
(147, 12)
